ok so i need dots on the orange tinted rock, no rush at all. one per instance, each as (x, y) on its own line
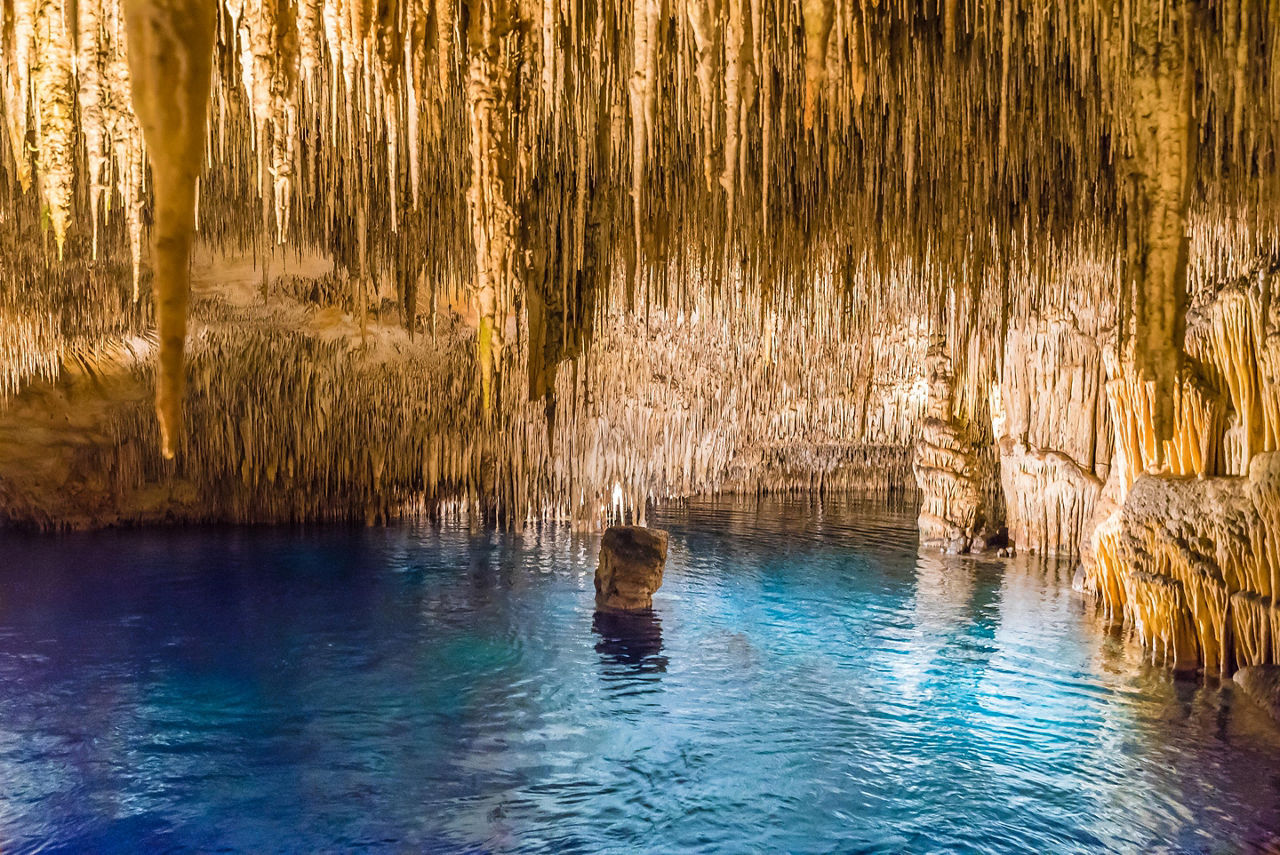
(631, 561)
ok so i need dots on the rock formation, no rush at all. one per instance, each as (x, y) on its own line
(575, 256)
(1262, 683)
(951, 470)
(630, 571)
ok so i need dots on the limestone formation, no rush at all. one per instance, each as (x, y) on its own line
(578, 256)
(949, 466)
(1262, 683)
(630, 571)
(170, 46)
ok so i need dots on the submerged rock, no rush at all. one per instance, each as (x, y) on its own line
(630, 569)
(1262, 683)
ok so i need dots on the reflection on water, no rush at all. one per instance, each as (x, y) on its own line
(630, 642)
(805, 682)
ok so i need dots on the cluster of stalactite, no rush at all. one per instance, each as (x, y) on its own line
(349, 417)
(1048, 406)
(717, 236)
(52, 314)
(1185, 545)
(537, 153)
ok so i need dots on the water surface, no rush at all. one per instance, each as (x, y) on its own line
(807, 683)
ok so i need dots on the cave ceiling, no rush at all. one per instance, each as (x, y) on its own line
(926, 157)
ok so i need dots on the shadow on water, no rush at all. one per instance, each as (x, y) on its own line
(630, 647)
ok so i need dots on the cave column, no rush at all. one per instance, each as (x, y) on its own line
(1158, 193)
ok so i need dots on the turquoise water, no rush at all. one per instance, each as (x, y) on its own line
(807, 683)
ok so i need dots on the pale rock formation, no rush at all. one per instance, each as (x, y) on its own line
(351, 417)
(1050, 418)
(170, 58)
(950, 472)
(630, 571)
(580, 146)
(1186, 552)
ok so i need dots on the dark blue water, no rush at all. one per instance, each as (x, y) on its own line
(806, 684)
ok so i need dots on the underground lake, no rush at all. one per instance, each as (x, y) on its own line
(807, 681)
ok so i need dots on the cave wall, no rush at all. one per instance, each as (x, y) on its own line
(1185, 544)
(309, 399)
(1049, 409)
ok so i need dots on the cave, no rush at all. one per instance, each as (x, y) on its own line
(928, 347)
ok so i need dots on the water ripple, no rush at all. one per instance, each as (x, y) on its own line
(807, 682)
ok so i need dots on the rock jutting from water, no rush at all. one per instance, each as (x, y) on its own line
(632, 558)
(1262, 683)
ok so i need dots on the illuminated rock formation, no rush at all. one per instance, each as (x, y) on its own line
(571, 257)
(952, 473)
(1049, 410)
(170, 46)
(630, 569)
(1262, 683)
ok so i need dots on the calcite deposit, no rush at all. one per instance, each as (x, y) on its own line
(950, 466)
(632, 559)
(527, 260)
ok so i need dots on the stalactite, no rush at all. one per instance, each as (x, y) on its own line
(170, 47)
(55, 123)
(92, 122)
(704, 21)
(1161, 179)
(19, 44)
(491, 195)
(819, 15)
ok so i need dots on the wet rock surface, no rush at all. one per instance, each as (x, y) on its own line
(1262, 683)
(632, 558)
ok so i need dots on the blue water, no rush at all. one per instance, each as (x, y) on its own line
(807, 683)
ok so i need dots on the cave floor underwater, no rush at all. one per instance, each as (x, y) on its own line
(808, 680)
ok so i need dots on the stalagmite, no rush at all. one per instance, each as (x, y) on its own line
(948, 467)
(170, 48)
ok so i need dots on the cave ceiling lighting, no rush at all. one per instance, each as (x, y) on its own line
(767, 211)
